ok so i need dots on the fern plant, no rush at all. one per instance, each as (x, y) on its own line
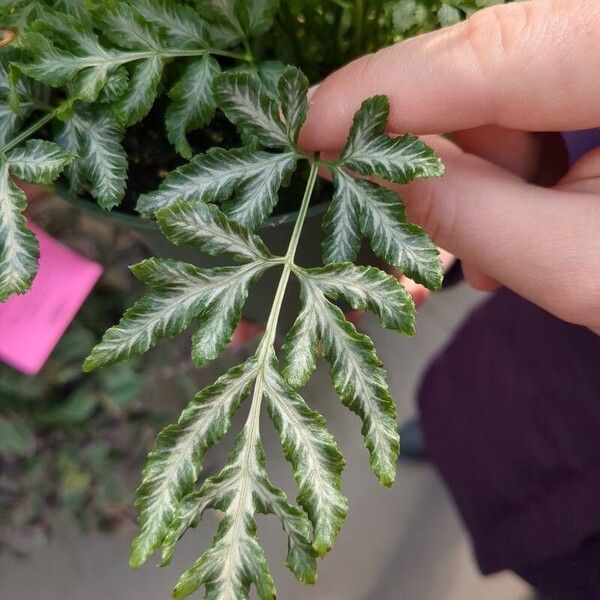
(214, 203)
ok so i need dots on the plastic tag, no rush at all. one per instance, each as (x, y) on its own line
(32, 324)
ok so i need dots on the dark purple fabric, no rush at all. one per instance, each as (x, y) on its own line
(511, 416)
(574, 576)
(580, 142)
(510, 411)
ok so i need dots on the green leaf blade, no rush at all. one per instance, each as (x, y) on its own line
(317, 463)
(19, 248)
(245, 181)
(293, 88)
(219, 319)
(192, 103)
(301, 558)
(235, 560)
(370, 152)
(176, 461)
(341, 227)
(300, 348)
(96, 138)
(38, 161)
(202, 225)
(257, 16)
(50, 65)
(367, 288)
(145, 79)
(10, 122)
(180, 293)
(126, 27)
(244, 103)
(359, 380)
(181, 24)
(382, 219)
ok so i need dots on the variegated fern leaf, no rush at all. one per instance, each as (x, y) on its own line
(215, 203)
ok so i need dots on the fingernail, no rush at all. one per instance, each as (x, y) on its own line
(311, 91)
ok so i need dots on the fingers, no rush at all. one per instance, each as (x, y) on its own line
(584, 175)
(484, 216)
(515, 151)
(478, 280)
(527, 65)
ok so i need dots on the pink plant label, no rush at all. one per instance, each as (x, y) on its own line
(32, 324)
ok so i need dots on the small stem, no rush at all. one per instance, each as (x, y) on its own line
(127, 57)
(249, 56)
(29, 131)
(310, 186)
(271, 327)
(359, 10)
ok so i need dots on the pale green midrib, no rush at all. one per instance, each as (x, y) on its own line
(6, 208)
(124, 57)
(36, 126)
(187, 297)
(266, 344)
(190, 438)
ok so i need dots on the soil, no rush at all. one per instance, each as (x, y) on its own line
(151, 157)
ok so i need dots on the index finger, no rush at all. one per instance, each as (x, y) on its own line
(529, 65)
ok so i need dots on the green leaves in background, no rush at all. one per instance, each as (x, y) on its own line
(35, 162)
(233, 21)
(193, 104)
(69, 441)
(16, 439)
(411, 17)
(214, 203)
(95, 137)
(117, 54)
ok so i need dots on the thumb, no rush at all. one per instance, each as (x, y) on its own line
(531, 66)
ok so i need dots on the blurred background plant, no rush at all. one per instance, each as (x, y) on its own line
(315, 35)
(72, 442)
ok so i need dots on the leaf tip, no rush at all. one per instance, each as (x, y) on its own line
(89, 364)
(387, 479)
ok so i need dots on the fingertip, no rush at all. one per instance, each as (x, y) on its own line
(479, 280)
(320, 128)
(331, 109)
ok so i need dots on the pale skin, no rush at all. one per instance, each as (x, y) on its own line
(508, 71)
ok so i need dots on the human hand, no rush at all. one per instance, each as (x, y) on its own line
(507, 71)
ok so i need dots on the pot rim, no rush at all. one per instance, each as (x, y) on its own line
(145, 223)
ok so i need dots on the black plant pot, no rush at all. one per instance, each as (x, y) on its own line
(275, 232)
